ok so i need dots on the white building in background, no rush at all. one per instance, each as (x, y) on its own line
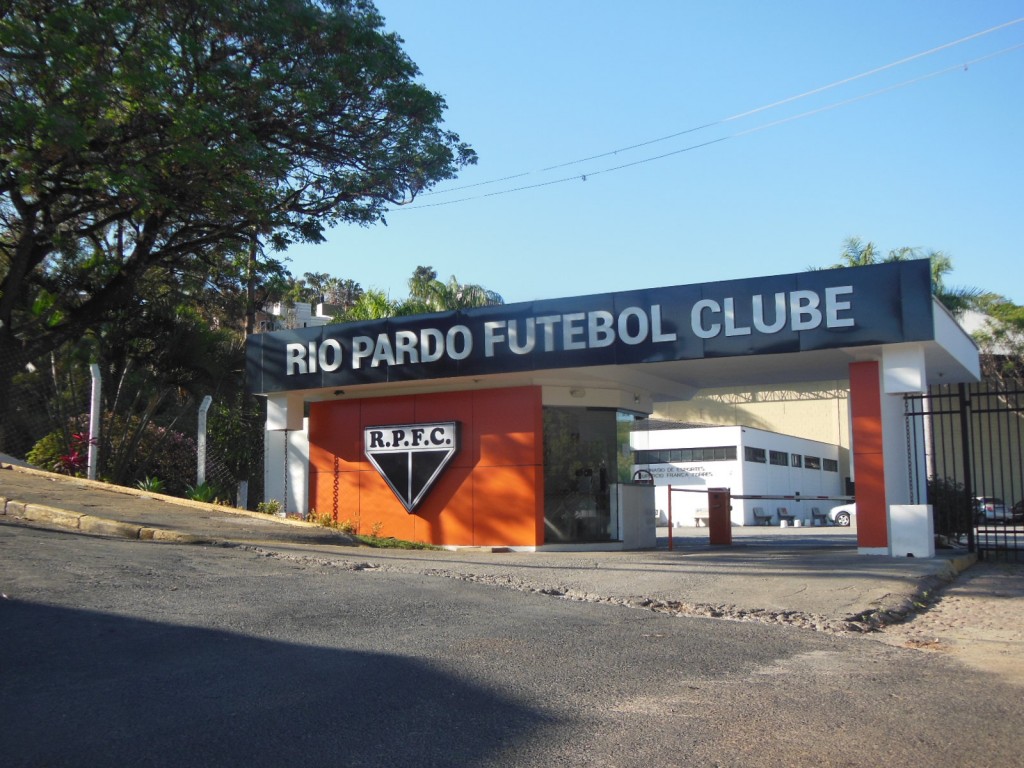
(747, 461)
(282, 316)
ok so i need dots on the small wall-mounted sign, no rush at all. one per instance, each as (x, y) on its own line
(410, 457)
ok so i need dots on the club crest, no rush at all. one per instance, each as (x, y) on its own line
(410, 457)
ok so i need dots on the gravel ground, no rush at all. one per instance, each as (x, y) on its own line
(978, 619)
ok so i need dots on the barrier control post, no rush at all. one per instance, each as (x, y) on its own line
(719, 517)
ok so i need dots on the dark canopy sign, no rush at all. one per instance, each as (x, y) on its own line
(808, 311)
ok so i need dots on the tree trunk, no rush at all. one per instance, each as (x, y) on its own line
(14, 438)
(250, 287)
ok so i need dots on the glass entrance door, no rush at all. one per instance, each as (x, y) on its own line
(580, 468)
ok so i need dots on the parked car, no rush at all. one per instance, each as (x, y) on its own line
(1018, 512)
(843, 515)
(989, 509)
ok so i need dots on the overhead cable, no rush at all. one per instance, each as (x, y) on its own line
(738, 116)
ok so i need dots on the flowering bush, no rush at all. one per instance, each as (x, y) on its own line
(57, 453)
(131, 453)
(75, 461)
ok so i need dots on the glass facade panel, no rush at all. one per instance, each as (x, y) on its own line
(581, 465)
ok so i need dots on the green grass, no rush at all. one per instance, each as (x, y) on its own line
(390, 543)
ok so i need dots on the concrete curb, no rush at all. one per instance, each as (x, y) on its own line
(886, 613)
(45, 515)
(86, 484)
(39, 513)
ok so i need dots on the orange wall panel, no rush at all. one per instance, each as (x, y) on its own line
(321, 495)
(447, 515)
(386, 410)
(451, 406)
(491, 494)
(378, 505)
(509, 509)
(334, 431)
(510, 426)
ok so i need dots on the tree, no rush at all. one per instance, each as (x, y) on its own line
(857, 253)
(342, 293)
(428, 294)
(372, 305)
(1002, 342)
(141, 137)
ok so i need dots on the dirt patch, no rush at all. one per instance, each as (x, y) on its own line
(978, 619)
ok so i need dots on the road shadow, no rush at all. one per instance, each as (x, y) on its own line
(88, 688)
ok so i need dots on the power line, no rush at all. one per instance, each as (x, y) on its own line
(880, 91)
(584, 176)
(722, 121)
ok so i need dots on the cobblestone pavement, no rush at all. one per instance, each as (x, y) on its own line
(978, 619)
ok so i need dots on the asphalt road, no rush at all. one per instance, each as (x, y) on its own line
(119, 652)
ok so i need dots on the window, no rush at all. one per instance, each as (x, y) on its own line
(755, 454)
(798, 460)
(812, 462)
(830, 465)
(778, 458)
(687, 455)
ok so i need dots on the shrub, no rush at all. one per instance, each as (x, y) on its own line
(202, 492)
(269, 507)
(56, 453)
(46, 453)
(151, 484)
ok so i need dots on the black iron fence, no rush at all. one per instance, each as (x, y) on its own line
(973, 464)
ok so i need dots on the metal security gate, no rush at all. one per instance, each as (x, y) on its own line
(973, 464)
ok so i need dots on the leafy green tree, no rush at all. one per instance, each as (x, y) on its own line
(372, 305)
(342, 293)
(142, 137)
(426, 294)
(1002, 341)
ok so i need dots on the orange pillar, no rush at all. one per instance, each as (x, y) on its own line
(869, 457)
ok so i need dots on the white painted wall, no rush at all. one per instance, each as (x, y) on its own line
(277, 480)
(740, 476)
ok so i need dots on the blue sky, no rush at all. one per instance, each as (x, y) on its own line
(926, 153)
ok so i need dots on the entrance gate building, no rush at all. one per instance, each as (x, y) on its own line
(542, 396)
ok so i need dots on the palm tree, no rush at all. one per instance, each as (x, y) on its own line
(957, 299)
(858, 253)
(371, 305)
(431, 295)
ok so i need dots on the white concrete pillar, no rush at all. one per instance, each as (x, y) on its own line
(903, 372)
(286, 468)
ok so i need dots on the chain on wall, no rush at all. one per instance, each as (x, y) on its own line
(336, 474)
(285, 472)
(909, 413)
